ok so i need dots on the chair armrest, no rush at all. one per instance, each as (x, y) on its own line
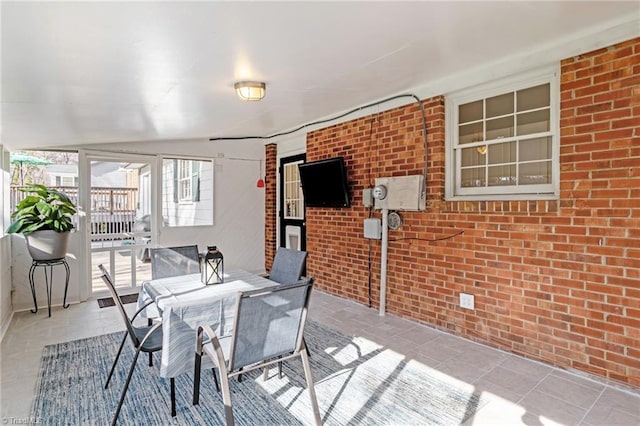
(213, 339)
(141, 309)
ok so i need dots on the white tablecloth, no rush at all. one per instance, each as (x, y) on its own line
(184, 303)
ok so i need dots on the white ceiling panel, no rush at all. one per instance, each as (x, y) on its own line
(94, 72)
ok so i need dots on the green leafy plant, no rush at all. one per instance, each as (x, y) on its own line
(44, 209)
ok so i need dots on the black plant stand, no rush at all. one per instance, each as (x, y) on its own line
(48, 266)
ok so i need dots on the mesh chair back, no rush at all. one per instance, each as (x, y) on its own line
(173, 261)
(288, 265)
(269, 323)
(106, 277)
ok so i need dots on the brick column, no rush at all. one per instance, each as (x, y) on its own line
(270, 207)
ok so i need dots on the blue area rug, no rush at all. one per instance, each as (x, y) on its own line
(357, 382)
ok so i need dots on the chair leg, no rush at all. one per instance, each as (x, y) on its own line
(304, 342)
(312, 391)
(224, 383)
(150, 323)
(172, 381)
(240, 376)
(226, 397)
(196, 379)
(115, 361)
(215, 379)
(126, 386)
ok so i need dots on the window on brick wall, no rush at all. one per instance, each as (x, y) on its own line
(502, 140)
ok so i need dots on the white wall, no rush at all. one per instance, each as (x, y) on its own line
(6, 308)
(21, 262)
(238, 228)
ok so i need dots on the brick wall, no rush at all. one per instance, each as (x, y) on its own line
(270, 153)
(557, 281)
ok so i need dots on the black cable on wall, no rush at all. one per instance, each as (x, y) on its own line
(337, 117)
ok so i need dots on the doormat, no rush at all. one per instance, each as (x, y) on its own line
(126, 298)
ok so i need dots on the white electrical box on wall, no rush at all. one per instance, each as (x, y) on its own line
(373, 229)
(403, 193)
(367, 197)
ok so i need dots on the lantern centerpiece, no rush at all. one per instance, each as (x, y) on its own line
(213, 266)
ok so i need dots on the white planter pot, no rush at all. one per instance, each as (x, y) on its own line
(47, 245)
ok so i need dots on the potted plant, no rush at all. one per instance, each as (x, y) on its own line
(44, 218)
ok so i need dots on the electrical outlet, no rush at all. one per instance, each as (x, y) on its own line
(466, 301)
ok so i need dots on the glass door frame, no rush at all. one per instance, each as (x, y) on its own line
(283, 220)
(85, 157)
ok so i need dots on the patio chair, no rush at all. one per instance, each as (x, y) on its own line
(288, 265)
(145, 339)
(172, 261)
(287, 268)
(268, 328)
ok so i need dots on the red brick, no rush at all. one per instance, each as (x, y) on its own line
(556, 280)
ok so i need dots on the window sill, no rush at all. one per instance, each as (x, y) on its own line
(505, 197)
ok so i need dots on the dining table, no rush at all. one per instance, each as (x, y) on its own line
(183, 303)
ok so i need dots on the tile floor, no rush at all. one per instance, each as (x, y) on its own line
(516, 391)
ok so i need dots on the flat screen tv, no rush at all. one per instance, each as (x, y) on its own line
(324, 183)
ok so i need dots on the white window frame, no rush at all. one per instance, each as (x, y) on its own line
(184, 183)
(298, 200)
(453, 190)
(162, 196)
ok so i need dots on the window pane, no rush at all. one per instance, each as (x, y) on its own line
(500, 128)
(500, 105)
(184, 167)
(534, 149)
(473, 156)
(504, 140)
(470, 133)
(502, 175)
(535, 173)
(187, 192)
(502, 153)
(534, 97)
(293, 200)
(473, 177)
(470, 112)
(533, 122)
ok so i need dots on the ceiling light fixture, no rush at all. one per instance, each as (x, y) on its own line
(250, 90)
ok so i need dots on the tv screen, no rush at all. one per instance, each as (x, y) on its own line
(324, 183)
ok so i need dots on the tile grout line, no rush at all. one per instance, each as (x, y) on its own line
(534, 387)
(588, 410)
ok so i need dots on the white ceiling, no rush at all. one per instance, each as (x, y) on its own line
(94, 72)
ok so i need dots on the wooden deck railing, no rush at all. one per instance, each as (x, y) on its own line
(113, 210)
